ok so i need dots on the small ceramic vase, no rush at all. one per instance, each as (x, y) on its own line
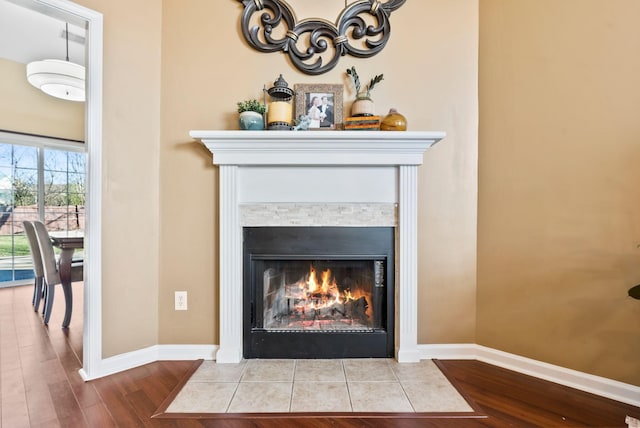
(394, 121)
(251, 121)
(362, 106)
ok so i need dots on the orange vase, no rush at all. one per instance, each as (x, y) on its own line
(394, 121)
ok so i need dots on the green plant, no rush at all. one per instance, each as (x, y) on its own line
(251, 105)
(351, 72)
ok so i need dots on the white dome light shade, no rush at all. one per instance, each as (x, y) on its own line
(60, 79)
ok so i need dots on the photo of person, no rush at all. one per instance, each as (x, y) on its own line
(320, 110)
(314, 112)
(320, 105)
(326, 113)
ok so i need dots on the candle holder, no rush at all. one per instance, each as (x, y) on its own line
(280, 107)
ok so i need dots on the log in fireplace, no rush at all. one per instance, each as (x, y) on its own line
(318, 292)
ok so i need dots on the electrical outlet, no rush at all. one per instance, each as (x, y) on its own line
(181, 300)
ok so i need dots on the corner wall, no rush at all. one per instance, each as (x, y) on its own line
(559, 202)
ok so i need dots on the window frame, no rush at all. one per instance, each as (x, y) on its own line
(41, 143)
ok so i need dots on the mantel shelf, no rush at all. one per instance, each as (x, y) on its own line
(317, 147)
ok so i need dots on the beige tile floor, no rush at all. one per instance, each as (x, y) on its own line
(288, 386)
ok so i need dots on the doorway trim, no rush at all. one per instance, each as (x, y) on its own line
(92, 331)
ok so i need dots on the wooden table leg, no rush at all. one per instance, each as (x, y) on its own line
(64, 268)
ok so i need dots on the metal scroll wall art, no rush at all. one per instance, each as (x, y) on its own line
(362, 30)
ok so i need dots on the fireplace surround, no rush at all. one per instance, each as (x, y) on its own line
(317, 179)
(318, 292)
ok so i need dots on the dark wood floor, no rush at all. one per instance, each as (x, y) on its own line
(40, 387)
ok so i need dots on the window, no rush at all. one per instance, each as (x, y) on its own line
(40, 179)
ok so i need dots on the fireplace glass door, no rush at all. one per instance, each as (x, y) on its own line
(321, 295)
(334, 302)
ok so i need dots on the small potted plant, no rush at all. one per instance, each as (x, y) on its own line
(363, 105)
(251, 114)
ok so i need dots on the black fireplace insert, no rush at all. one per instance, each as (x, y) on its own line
(318, 292)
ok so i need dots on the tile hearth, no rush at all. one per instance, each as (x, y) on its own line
(289, 386)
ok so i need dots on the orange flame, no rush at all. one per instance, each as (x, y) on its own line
(324, 292)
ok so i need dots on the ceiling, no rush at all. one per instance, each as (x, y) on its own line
(27, 35)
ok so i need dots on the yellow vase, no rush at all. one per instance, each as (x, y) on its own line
(394, 121)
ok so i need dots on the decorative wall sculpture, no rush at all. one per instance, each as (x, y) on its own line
(315, 45)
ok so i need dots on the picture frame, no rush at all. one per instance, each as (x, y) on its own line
(327, 100)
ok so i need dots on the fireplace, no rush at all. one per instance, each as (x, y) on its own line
(328, 179)
(318, 292)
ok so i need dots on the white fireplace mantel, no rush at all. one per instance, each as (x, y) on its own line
(317, 147)
(360, 167)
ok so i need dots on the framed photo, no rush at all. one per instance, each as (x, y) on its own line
(322, 103)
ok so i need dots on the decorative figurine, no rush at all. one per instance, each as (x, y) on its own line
(302, 124)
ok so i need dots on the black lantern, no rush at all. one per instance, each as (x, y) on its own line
(280, 107)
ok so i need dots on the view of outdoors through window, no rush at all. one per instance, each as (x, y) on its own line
(37, 183)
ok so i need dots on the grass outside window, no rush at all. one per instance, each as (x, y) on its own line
(16, 245)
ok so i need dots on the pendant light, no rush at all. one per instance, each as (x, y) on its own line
(60, 79)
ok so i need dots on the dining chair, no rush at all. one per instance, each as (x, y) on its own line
(53, 277)
(38, 285)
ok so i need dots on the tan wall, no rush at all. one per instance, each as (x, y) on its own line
(183, 67)
(559, 212)
(130, 213)
(430, 68)
(24, 108)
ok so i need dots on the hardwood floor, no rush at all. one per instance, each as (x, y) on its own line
(40, 387)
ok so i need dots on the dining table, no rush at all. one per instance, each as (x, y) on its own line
(68, 243)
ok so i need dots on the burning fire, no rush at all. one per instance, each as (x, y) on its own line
(313, 295)
(326, 287)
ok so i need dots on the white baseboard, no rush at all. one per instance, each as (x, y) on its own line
(601, 386)
(130, 360)
(619, 391)
(456, 351)
(187, 352)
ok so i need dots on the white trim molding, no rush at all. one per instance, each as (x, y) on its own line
(186, 352)
(619, 391)
(133, 359)
(92, 335)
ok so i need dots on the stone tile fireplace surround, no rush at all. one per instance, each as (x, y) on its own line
(317, 178)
